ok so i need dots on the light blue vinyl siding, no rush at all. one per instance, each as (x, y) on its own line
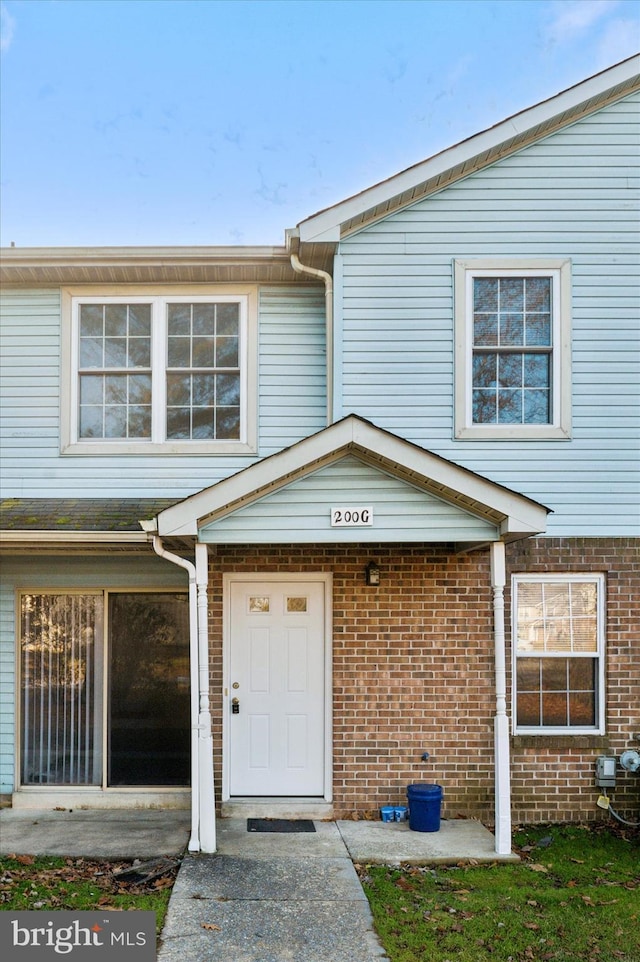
(571, 195)
(291, 402)
(293, 399)
(29, 380)
(60, 574)
(302, 512)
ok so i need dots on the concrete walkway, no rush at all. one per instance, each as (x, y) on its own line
(270, 898)
(263, 897)
(297, 898)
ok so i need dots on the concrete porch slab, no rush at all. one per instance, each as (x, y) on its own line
(390, 843)
(95, 834)
(147, 834)
(234, 839)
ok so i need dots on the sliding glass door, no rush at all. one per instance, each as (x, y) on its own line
(148, 689)
(62, 639)
(104, 689)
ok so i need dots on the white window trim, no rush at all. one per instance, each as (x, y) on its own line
(246, 295)
(464, 272)
(600, 726)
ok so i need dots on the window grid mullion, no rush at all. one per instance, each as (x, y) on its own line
(159, 349)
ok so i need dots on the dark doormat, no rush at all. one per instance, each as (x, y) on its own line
(280, 825)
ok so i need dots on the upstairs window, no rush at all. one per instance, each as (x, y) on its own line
(160, 374)
(558, 646)
(512, 350)
(114, 371)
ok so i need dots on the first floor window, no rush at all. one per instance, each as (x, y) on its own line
(558, 648)
(104, 688)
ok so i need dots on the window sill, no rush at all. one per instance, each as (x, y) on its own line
(493, 432)
(560, 741)
(184, 448)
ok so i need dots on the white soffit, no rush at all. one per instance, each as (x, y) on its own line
(516, 515)
(473, 154)
(150, 265)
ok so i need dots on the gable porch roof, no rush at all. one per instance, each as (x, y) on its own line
(514, 515)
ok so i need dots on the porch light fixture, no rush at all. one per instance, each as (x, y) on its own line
(372, 573)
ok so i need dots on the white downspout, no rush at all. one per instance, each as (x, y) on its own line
(158, 547)
(206, 800)
(501, 721)
(328, 300)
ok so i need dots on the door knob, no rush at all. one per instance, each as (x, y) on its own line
(235, 706)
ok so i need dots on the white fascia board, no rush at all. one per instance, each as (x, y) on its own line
(74, 537)
(518, 526)
(350, 433)
(325, 225)
(182, 519)
(83, 256)
(473, 488)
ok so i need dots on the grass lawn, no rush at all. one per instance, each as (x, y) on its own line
(574, 896)
(83, 884)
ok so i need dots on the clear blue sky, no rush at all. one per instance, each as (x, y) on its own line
(204, 122)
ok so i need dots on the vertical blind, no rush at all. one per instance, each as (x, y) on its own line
(61, 643)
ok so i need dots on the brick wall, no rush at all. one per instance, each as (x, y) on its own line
(413, 672)
(553, 777)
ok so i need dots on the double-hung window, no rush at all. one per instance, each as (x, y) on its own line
(558, 653)
(171, 373)
(512, 349)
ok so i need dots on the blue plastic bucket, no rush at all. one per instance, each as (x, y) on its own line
(425, 802)
(387, 813)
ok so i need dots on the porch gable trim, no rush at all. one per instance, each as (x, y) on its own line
(517, 515)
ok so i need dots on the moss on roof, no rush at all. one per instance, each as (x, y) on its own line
(78, 514)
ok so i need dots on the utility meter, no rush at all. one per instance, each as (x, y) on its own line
(606, 771)
(630, 761)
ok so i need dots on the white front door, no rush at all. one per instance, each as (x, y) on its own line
(276, 673)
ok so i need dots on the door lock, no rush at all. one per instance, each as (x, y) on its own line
(235, 706)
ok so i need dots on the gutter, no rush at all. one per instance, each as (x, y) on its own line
(328, 300)
(83, 537)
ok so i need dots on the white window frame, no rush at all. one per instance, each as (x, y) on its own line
(559, 270)
(158, 298)
(599, 656)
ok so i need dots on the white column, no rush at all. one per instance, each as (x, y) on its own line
(206, 798)
(501, 721)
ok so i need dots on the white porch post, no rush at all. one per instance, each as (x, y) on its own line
(206, 794)
(501, 721)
